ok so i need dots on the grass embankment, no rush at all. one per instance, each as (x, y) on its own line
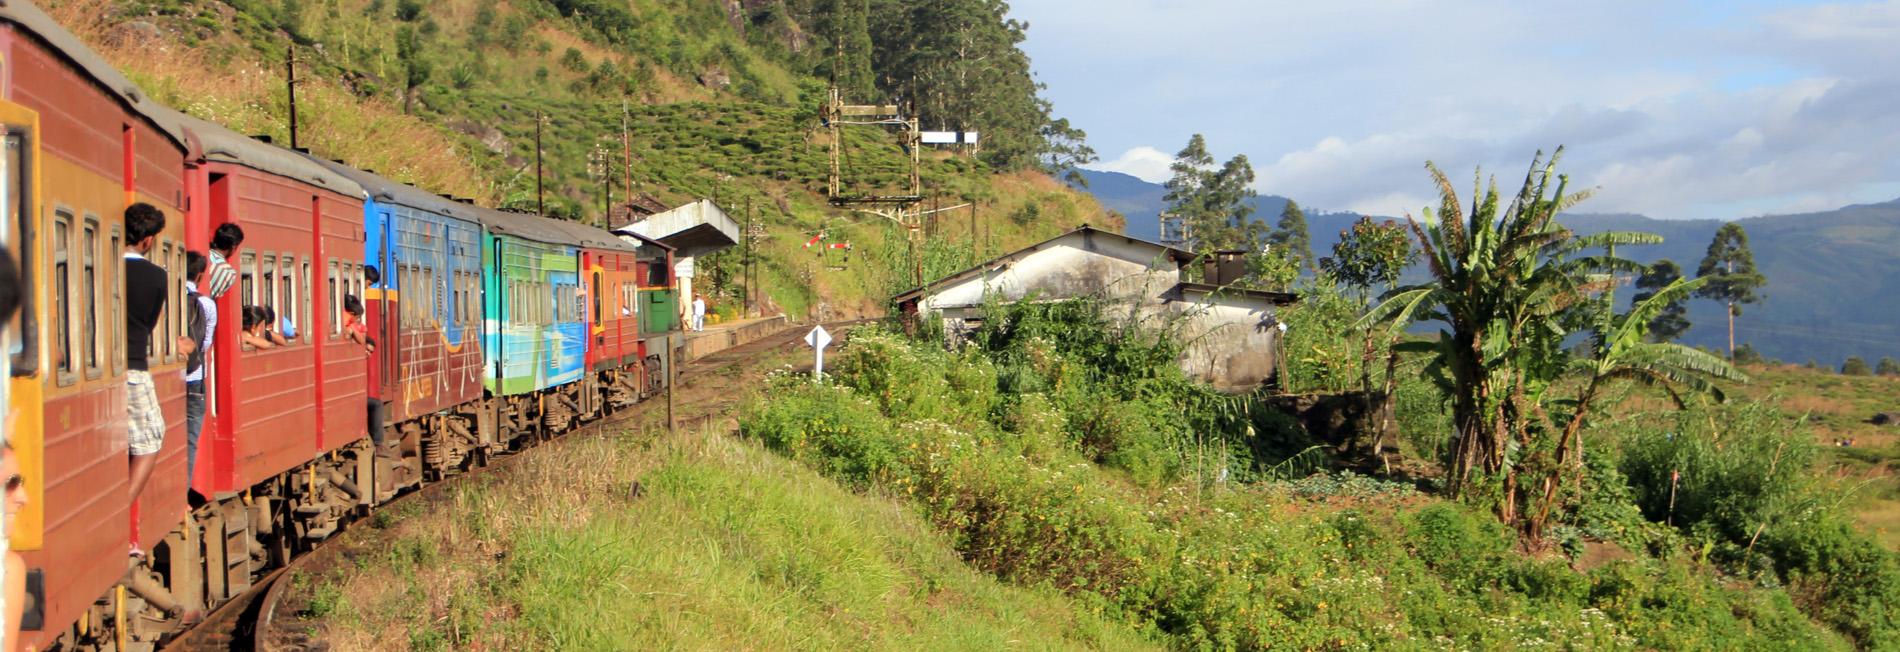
(1838, 408)
(468, 128)
(729, 547)
(1018, 481)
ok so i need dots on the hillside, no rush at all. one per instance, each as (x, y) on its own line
(1832, 275)
(715, 98)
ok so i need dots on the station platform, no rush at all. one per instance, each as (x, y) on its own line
(719, 337)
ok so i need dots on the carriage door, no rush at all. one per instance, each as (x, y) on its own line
(19, 368)
(387, 346)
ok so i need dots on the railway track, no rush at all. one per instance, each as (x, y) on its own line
(245, 623)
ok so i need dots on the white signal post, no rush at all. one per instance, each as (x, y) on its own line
(818, 338)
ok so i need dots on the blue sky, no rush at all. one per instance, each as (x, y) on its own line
(1671, 109)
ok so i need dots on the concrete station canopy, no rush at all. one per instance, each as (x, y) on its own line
(696, 229)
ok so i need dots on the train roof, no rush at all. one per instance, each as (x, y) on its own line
(216, 143)
(525, 226)
(102, 72)
(388, 191)
(593, 237)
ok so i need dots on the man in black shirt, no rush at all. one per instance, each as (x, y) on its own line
(144, 306)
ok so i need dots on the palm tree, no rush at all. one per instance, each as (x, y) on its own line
(1507, 285)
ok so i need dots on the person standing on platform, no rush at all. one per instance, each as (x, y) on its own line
(699, 312)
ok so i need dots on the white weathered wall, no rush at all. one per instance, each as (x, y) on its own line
(1231, 343)
(1075, 266)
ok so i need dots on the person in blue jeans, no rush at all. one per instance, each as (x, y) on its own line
(200, 323)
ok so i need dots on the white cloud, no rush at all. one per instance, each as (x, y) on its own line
(1397, 204)
(1673, 110)
(1144, 162)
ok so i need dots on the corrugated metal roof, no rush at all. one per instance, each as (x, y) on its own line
(524, 226)
(31, 19)
(220, 144)
(384, 190)
(593, 237)
(1180, 256)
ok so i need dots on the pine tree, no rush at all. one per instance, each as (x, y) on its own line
(1888, 367)
(1673, 321)
(1230, 222)
(1067, 147)
(1216, 204)
(1186, 195)
(1733, 279)
(1854, 366)
(1290, 234)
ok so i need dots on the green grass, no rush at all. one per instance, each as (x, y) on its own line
(1030, 496)
(730, 547)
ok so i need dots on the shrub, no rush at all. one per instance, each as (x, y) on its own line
(1854, 366)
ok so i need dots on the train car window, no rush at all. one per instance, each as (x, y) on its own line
(89, 294)
(580, 304)
(656, 275)
(63, 296)
(336, 302)
(461, 298)
(247, 278)
(268, 287)
(287, 299)
(17, 229)
(597, 292)
(407, 300)
(287, 295)
(160, 349)
(164, 344)
(115, 303)
(304, 321)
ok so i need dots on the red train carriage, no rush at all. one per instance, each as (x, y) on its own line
(301, 253)
(78, 150)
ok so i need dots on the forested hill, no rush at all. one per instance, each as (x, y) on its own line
(720, 99)
(1833, 276)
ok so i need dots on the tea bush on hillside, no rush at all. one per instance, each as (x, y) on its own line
(1748, 490)
(1346, 564)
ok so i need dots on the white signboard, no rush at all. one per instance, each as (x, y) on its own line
(949, 137)
(818, 338)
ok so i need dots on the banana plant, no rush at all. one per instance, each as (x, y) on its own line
(1507, 281)
(1623, 352)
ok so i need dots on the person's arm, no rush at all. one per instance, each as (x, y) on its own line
(157, 310)
(276, 338)
(257, 342)
(210, 310)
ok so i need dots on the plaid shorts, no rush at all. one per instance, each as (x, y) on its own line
(145, 427)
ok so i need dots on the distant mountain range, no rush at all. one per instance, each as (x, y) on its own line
(1833, 276)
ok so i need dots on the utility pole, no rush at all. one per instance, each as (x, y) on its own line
(973, 229)
(747, 270)
(539, 207)
(290, 70)
(626, 148)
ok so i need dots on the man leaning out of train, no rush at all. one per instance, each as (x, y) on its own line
(145, 284)
(201, 321)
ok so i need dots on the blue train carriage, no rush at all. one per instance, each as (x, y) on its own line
(533, 329)
(424, 312)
